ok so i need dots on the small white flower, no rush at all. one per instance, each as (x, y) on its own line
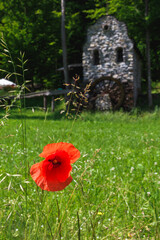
(132, 168)
(85, 155)
(112, 169)
(148, 193)
(155, 163)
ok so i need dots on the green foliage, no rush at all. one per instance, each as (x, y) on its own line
(95, 14)
(35, 28)
(31, 28)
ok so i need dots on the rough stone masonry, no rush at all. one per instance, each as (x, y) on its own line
(109, 52)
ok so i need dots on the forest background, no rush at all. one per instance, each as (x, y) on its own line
(34, 28)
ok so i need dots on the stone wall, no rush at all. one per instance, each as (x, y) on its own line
(109, 52)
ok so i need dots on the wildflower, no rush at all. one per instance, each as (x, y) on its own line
(112, 169)
(100, 213)
(53, 173)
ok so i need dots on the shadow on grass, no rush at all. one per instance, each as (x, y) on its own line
(28, 114)
(34, 110)
(38, 113)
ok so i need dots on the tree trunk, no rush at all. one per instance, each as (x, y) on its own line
(63, 37)
(148, 57)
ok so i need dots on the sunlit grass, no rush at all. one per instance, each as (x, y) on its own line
(115, 192)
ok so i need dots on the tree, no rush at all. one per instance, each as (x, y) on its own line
(63, 38)
(148, 56)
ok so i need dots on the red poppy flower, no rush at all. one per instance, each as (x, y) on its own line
(53, 173)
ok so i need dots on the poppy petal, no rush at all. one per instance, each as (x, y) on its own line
(59, 172)
(43, 183)
(58, 186)
(73, 152)
(35, 172)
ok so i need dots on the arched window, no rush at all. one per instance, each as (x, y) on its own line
(96, 59)
(105, 27)
(119, 55)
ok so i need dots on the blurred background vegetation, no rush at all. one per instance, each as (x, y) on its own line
(34, 27)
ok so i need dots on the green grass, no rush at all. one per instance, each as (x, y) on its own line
(115, 192)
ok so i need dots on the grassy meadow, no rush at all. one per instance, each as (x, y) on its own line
(115, 192)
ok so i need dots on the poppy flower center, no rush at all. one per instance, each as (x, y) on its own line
(54, 162)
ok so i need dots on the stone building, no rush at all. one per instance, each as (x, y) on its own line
(109, 55)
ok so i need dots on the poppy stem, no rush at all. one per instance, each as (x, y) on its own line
(59, 219)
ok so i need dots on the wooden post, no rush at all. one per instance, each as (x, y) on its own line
(52, 104)
(45, 103)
